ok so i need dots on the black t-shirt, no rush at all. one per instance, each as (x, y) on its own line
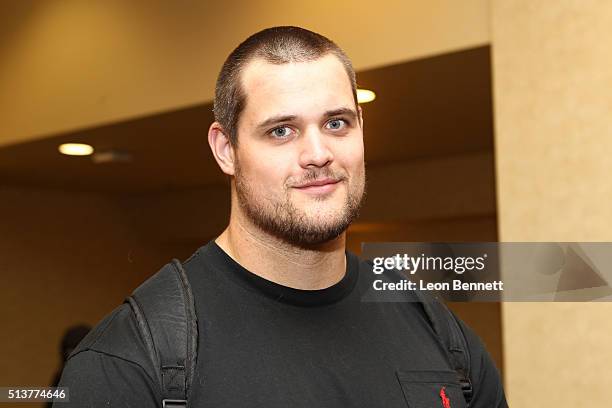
(266, 345)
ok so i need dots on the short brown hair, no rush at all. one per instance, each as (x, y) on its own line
(276, 45)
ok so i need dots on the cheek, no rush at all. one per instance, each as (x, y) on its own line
(351, 157)
(265, 174)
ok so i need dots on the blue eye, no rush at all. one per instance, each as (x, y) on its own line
(336, 124)
(281, 132)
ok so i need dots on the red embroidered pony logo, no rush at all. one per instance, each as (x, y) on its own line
(445, 400)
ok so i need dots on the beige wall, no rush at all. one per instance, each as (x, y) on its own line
(95, 62)
(552, 71)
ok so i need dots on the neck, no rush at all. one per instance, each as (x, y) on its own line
(316, 267)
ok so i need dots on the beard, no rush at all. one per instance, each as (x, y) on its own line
(283, 220)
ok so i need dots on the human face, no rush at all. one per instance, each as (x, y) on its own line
(299, 167)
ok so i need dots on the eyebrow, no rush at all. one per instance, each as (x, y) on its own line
(276, 119)
(289, 118)
(342, 111)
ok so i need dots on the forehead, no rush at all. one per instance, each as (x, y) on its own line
(296, 88)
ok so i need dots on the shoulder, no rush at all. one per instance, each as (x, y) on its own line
(116, 336)
(111, 367)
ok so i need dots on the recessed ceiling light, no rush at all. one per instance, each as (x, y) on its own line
(365, 96)
(76, 149)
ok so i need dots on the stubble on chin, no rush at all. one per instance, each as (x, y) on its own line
(288, 223)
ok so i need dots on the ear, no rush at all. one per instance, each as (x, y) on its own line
(221, 148)
(360, 112)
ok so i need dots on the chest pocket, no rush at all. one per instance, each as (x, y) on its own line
(431, 389)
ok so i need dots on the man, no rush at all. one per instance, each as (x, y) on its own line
(277, 297)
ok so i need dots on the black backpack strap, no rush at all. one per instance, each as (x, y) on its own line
(447, 327)
(165, 311)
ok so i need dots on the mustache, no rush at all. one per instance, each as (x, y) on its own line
(318, 174)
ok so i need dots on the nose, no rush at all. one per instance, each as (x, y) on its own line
(314, 150)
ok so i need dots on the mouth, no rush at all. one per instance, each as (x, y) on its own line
(322, 186)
